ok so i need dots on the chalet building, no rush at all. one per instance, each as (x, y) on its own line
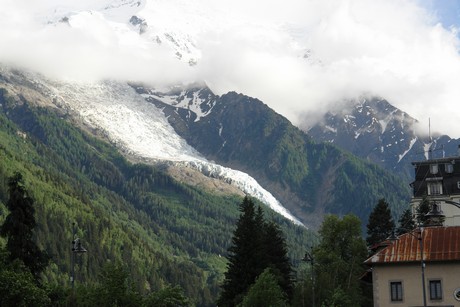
(398, 270)
(439, 181)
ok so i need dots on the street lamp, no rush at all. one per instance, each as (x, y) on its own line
(436, 215)
(419, 237)
(77, 249)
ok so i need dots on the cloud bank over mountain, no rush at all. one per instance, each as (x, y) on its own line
(300, 57)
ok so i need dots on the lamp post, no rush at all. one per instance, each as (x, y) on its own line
(436, 213)
(77, 249)
(419, 237)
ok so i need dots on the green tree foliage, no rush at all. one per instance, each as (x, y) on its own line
(265, 292)
(18, 286)
(406, 222)
(256, 245)
(276, 255)
(244, 257)
(308, 175)
(339, 259)
(422, 209)
(115, 288)
(380, 225)
(18, 228)
(168, 232)
(168, 297)
(339, 298)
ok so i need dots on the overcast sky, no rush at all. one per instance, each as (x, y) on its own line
(300, 57)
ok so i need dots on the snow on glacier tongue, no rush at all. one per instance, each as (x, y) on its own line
(141, 129)
(129, 120)
(181, 100)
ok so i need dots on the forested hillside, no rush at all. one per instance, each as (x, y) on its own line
(164, 231)
(311, 179)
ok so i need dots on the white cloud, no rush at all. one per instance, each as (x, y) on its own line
(87, 47)
(391, 48)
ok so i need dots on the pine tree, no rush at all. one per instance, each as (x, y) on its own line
(18, 228)
(256, 245)
(406, 222)
(381, 224)
(422, 209)
(276, 254)
(243, 262)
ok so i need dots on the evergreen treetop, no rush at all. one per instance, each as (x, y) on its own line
(381, 224)
(18, 228)
(256, 246)
(422, 210)
(406, 222)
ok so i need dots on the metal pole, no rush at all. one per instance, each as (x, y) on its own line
(312, 279)
(422, 262)
(72, 258)
(309, 258)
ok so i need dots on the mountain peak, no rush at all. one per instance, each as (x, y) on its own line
(374, 129)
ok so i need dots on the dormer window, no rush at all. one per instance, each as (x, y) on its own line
(434, 188)
(433, 169)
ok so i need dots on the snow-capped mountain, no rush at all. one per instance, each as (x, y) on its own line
(145, 24)
(374, 129)
(232, 138)
(255, 148)
(242, 132)
(138, 128)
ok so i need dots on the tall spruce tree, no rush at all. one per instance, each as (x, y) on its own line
(243, 263)
(256, 245)
(18, 228)
(406, 222)
(381, 224)
(422, 209)
(276, 257)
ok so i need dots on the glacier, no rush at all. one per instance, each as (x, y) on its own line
(114, 109)
(140, 129)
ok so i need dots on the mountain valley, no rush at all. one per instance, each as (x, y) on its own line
(147, 122)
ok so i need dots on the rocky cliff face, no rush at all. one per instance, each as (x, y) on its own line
(373, 129)
(241, 132)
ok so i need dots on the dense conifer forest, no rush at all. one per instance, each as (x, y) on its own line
(310, 178)
(150, 238)
(160, 231)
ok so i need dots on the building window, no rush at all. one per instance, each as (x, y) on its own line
(433, 169)
(435, 290)
(396, 291)
(449, 168)
(434, 188)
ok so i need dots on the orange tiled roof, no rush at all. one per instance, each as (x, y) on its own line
(439, 244)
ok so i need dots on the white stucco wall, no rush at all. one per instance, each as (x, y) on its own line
(411, 277)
